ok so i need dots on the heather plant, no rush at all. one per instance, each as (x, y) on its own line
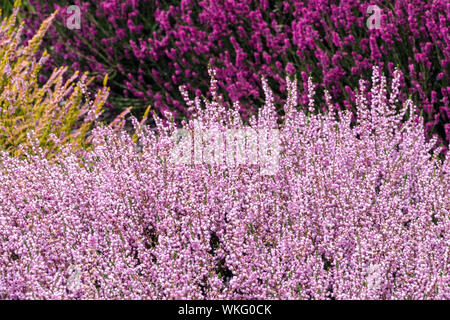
(60, 107)
(353, 211)
(150, 47)
(7, 7)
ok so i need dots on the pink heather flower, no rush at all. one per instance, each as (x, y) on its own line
(352, 212)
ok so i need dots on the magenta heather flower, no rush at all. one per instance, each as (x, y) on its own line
(248, 39)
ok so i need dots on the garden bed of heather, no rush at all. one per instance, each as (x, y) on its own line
(150, 47)
(354, 210)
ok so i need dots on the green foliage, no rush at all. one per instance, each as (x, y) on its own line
(57, 112)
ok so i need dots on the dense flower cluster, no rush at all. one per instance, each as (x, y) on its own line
(60, 107)
(354, 211)
(151, 47)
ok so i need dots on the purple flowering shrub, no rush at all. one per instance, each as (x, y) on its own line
(150, 47)
(352, 211)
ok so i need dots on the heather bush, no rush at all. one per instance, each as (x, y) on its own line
(7, 7)
(353, 211)
(150, 47)
(60, 107)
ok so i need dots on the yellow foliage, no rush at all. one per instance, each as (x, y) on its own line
(57, 112)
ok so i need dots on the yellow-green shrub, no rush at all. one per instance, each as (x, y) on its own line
(57, 112)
